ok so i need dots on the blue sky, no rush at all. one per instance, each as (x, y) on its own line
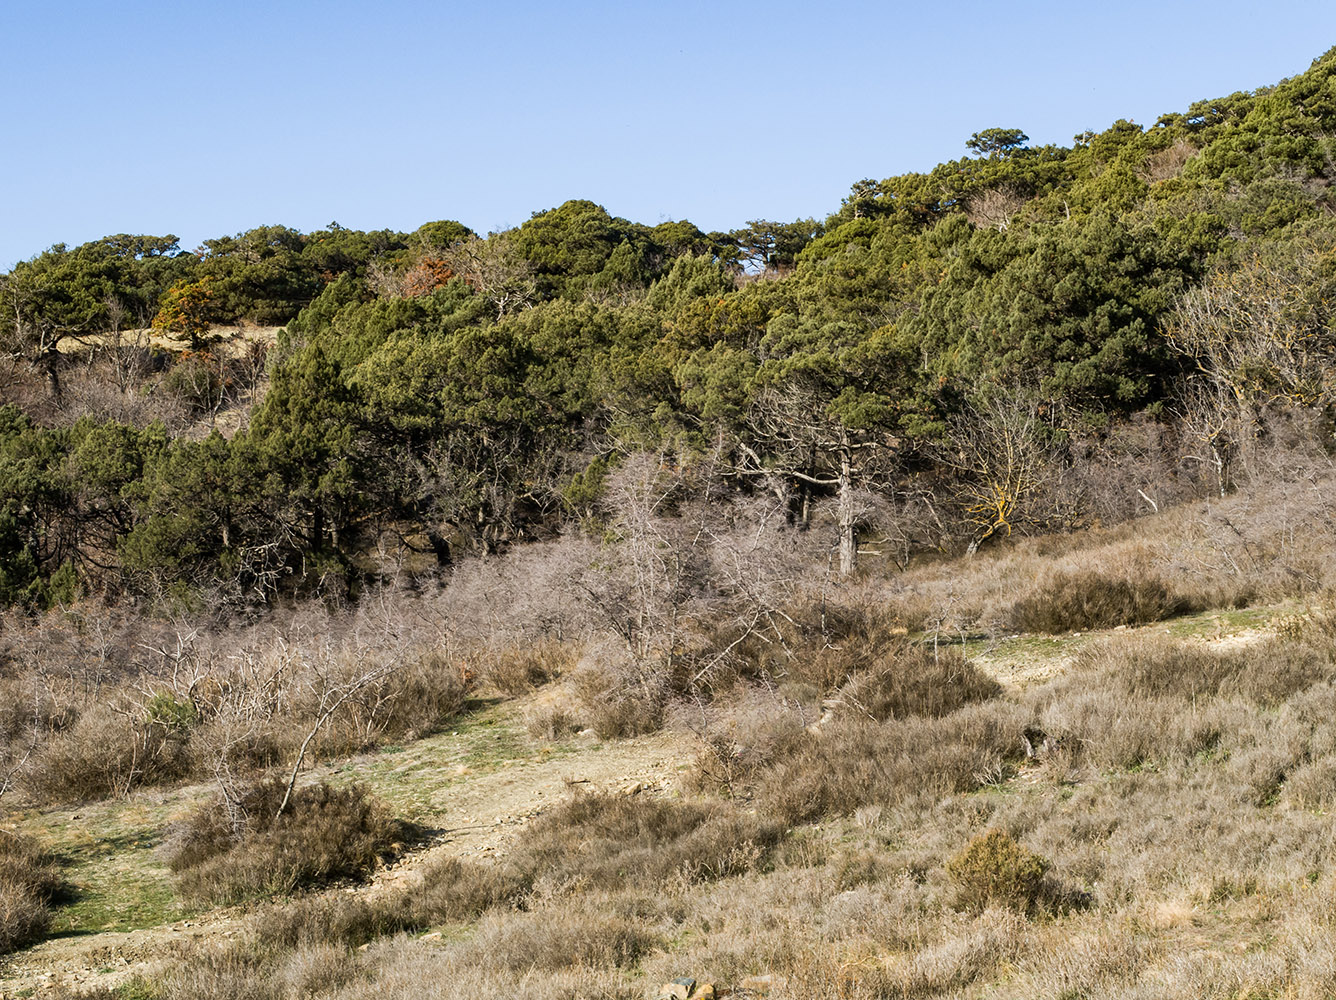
(202, 119)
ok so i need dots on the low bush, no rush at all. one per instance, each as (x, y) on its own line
(918, 681)
(561, 938)
(29, 881)
(613, 841)
(105, 754)
(994, 870)
(1265, 672)
(229, 851)
(517, 670)
(1079, 602)
(853, 762)
(618, 699)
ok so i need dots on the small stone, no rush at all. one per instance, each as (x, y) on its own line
(678, 989)
(633, 788)
(433, 936)
(761, 985)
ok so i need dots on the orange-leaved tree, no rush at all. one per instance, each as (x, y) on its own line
(183, 312)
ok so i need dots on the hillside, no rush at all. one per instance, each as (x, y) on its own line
(933, 600)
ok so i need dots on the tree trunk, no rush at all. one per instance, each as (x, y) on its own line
(848, 527)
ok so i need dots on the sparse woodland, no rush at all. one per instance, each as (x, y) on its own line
(922, 525)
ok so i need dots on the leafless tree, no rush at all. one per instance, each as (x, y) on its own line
(496, 269)
(996, 448)
(994, 208)
(806, 448)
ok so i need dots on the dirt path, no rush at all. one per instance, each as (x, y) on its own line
(477, 789)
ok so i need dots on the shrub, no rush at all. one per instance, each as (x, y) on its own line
(561, 938)
(622, 840)
(837, 643)
(1265, 673)
(29, 880)
(918, 681)
(1071, 602)
(517, 670)
(993, 869)
(107, 754)
(617, 699)
(227, 852)
(852, 762)
(420, 696)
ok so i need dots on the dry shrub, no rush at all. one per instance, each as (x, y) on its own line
(853, 762)
(1168, 162)
(107, 753)
(29, 881)
(612, 841)
(1103, 726)
(918, 681)
(412, 702)
(229, 851)
(837, 643)
(1313, 786)
(1264, 672)
(1083, 601)
(559, 938)
(807, 642)
(551, 720)
(616, 697)
(993, 869)
(451, 890)
(516, 670)
(742, 735)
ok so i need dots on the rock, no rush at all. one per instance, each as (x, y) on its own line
(633, 788)
(761, 985)
(433, 936)
(686, 988)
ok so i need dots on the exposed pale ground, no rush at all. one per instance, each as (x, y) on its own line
(475, 788)
(231, 340)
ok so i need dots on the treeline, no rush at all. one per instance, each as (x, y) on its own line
(1022, 338)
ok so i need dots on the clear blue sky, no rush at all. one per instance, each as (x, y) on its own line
(205, 118)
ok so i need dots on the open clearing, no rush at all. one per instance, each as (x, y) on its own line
(474, 787)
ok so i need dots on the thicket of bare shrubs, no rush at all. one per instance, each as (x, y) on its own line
(97, 714)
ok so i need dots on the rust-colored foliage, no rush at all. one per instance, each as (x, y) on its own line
(427, 275)
(183, 311)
